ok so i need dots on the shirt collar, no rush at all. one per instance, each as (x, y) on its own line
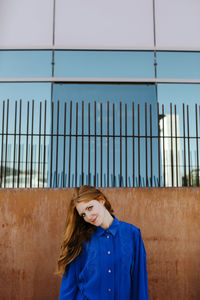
(112, 229)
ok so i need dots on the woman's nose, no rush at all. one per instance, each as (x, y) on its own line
(89, 215)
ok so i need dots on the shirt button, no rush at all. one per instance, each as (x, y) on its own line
(109, 290)
(107, 236)
(109, 271)
(108, 252)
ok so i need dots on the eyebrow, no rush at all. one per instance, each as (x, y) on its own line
(85, 209)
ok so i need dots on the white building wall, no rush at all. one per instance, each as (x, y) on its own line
(171, 148)
(114, 24)
(94, 24)
(26, 23)
(177, 24)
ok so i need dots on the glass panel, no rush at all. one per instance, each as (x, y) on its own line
(105, 64)
(83, 146)
(180, 147)
(16, 64)
(107, 24)
(22, 154)
(178, 65)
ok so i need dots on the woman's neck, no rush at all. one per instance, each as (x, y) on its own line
(108, 219)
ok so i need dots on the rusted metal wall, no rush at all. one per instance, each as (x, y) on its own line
(32, 222)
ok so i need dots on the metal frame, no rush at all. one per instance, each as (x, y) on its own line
(59, 152)
(99, 80)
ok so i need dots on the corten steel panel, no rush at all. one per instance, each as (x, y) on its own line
(32, 221)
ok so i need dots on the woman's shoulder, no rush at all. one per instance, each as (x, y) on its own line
(129, 232)
(129, 228)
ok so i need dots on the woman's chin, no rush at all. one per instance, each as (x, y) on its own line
(97, 222)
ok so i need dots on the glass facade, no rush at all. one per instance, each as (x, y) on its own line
(184, 65)
(83, 141)
(25, 64)
(104, 64)
(95, 124)
(21, 126)
(185, 105)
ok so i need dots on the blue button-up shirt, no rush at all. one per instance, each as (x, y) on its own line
(112, 266)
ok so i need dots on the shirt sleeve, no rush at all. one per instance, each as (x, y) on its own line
(68, 287)
(139, 271)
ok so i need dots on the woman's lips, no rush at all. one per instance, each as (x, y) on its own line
(94, 220)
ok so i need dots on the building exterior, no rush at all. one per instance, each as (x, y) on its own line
(99, 58)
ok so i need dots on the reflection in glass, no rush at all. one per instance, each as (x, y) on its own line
(100, 119)
(89, 138)
(181, 122)
(25, 63)
(104, 64)
(178, 64)
(24, 134)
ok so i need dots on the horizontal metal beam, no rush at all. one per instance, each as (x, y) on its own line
(99, 79)
(103, 48)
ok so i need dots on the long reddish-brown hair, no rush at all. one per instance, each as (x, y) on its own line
(77, 231)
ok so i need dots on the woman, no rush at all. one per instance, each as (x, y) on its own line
(101, 257)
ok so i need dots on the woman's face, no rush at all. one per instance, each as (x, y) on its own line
(92, 212)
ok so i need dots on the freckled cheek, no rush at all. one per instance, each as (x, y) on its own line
(86, 219)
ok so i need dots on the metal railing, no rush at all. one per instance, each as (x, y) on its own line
(67, 144)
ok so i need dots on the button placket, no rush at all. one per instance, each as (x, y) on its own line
(109, 260)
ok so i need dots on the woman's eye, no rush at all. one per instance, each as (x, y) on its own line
(90, 207)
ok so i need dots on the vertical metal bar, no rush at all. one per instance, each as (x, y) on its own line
(120, 183)
(114, 145)
(82, 162)
(146, 153)
(126, 143)
(44, 153)
(64, 142)
(197, 145)
(108, 144)
(57, 140)
(163, 115)
(89, 143)
(185, 178)
(172, 160)
(176, 146)
(188, 144)
(19, 149)
(27, 133)
(2, 140)
(139, 145)
(133, 130)
(70, 143)
(39, 143)
(151, 145)
(6, 143)
(14, 152)
(101, 111)
(95, 143)
(32, 144)
(76, 153)
(158, 125)
(51, 161)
